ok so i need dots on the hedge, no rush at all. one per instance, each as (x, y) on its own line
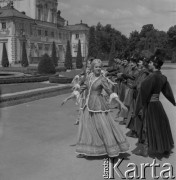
(30, 96)
(60, 69)
(61, 80)
(24, 79)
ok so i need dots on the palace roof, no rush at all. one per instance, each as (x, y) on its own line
(78, 27)
(9, 11)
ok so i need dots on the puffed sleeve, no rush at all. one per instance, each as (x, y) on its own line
(106, 87)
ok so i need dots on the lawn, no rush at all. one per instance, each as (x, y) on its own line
(12, 88)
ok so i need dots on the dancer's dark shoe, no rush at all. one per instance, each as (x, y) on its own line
(77, 122)
(142, 152)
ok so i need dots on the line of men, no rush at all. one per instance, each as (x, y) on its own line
(129, 74)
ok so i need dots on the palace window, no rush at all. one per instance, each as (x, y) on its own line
(46, 33)
(75, 47)
(39, 32)
(40, 46)
(52, 34)
(47, 46)
(39, 14)
(77, 36)
(60, 36)
(3, 25)
(31, 30)
(67, 36)
(52, 17)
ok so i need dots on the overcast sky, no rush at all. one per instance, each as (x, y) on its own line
(124, 15)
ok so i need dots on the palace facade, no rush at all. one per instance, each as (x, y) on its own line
(38, 23)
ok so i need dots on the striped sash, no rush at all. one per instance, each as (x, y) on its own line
(155, 97)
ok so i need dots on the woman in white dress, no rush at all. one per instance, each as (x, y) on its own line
(98, 133)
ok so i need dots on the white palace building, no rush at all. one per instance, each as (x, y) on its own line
(38, 23)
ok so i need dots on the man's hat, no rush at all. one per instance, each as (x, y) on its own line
(158, 62)
(158, 57)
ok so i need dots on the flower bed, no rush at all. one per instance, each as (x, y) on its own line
(24, 79)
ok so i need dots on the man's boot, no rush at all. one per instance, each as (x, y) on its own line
(143, 151)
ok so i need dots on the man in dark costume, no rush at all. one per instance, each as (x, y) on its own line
(135, 123)
(156, 136)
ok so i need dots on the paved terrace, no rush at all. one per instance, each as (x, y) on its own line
(36, 141)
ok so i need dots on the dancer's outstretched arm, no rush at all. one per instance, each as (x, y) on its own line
(68, 98)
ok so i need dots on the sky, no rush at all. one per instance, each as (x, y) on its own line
(124, 15)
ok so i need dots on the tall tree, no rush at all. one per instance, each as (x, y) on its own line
(172, 35)
(53, 56)
(133, 41)
(172, 42)
(112, 54)
(145, 29)
(68, 57)
(92, 47)
(24, 61)
(79, 63)
(5, 60)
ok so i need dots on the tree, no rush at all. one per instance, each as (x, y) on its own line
(68, 57)
(79, 63)
(172, 35)
(5, 60)
(145, 29)
(54, 57)
(133, 41)
(162, 38)
(24, 61)
(92, 47)
(46, 65)
(112, 54)
(172, 41)
(173, 57)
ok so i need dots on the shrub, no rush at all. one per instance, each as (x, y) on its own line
(60, 69)
(79, 63)
(53, 56)
(24, 62)
(68, 57)
(5, 60)
(46, 65)
(92, 46)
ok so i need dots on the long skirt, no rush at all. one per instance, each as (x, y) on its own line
(99, 135)
(158, 129)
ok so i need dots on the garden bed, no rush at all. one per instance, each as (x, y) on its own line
(13, 88)
(23, 97)
(60, 80)
(24, 79)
